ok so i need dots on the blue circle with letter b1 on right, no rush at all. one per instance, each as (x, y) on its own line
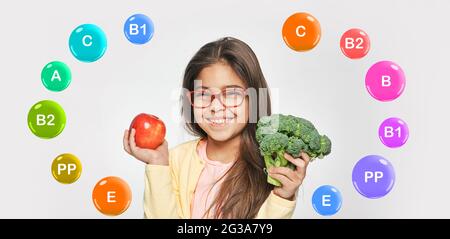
(138, 29)
(327, 200)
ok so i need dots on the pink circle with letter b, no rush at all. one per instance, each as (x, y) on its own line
(385, 81)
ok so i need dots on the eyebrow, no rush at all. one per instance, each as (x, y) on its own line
(228, 86)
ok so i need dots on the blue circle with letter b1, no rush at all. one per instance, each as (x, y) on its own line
(138, 29)
(327, 200)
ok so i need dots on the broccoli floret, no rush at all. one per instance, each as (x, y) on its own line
(295, 146)
(313, 140)
(263, 122)
(274, 122)
(279, 134)
(301, 127)
(261, 132)
(274, 142)
(312, 154)
(305, 123)
(325, 146)
(286, 124)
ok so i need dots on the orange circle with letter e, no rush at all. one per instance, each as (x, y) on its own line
(301, 31)
(111, 196)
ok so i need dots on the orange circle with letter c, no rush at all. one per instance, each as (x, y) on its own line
(301, 31)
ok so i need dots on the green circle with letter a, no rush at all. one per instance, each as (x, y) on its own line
(56, 76)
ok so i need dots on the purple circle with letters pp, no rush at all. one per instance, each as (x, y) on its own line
(373, 176)
(393, 132)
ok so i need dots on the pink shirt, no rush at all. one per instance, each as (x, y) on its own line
(207, 188)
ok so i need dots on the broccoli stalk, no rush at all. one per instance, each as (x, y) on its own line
(270, 163)
(279, 134)
(273, 146)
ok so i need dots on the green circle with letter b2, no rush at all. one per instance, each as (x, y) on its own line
(46, 119)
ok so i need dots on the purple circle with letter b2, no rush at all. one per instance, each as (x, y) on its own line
(373, 176)
(393, 132)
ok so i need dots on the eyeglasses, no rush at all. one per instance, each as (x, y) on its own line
(228, 97)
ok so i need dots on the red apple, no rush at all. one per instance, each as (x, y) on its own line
(150, 131)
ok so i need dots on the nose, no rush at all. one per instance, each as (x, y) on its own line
(216, 105)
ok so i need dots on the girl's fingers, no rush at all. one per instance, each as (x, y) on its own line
(126, 143)
(283, 179)
(163, 146)
(287, 172)
(298, 162)
(162, 150)
(133, 146)
(288, 157)
(305, 157)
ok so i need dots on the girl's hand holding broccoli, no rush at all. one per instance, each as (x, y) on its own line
(290, 179)
(158, 156)
(288, 144)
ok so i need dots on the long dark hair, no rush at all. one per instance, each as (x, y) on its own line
(244, 188)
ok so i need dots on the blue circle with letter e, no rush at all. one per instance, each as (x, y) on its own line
(327, 200)
(87, 43)
(138, 29)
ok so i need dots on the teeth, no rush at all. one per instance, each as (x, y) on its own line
(220, 121)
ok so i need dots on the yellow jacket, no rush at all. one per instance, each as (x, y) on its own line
(169, 189)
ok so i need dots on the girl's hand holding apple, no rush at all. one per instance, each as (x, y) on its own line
(145, 140)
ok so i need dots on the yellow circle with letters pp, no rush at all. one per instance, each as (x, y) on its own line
(66, 168)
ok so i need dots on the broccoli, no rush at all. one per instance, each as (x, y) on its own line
(295, 146)
(278, 134)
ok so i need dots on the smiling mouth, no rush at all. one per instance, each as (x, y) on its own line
(219, 121)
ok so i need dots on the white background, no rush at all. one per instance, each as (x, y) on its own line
(321, 85)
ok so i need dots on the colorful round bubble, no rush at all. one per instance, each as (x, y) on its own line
(301, 31)
(327, 200)
(385, 81)
(393, 132)
(111, 196)
(138, 29)
(56, 76)
(66, 168)
(373, 176)
(87, 43)
(46, 119)
(355, 43)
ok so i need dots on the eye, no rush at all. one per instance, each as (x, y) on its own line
(201, 93)
(233, 92)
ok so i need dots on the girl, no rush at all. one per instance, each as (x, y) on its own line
(221, 174)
